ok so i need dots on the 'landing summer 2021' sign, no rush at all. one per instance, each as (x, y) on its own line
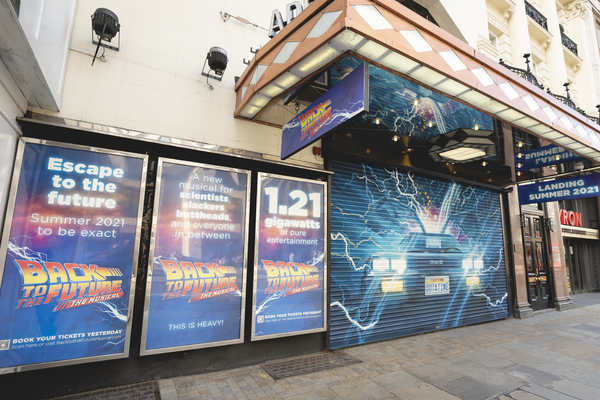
(290, 263)
(69, 255)
(560, 189)
(336, 106)
(196, 273)
(543, 156)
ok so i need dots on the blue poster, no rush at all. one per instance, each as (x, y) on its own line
(194, 294)
(289, 271)
(71, 251)
(543, 156)
(411, 253)
(560, 189)
(338, 105)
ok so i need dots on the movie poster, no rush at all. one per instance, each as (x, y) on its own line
(196, 277)
(69, 255)
(290, 262)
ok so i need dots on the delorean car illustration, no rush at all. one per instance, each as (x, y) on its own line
(426, 264)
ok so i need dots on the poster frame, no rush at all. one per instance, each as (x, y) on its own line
(10, 209)
(143, 350)
(261, 177)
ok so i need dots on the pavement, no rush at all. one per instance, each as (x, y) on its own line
(554, 356)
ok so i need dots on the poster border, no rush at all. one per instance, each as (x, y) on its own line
(261, 177)
(10, 209)
(143, 350)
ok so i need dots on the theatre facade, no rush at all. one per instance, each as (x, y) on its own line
(409, 184)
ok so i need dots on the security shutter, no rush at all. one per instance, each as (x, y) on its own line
(411, 254)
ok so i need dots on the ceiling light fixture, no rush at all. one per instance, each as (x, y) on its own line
(462, 145)
(395, 138)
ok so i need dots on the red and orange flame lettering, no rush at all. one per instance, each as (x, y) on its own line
(290, 276)
(71, 284)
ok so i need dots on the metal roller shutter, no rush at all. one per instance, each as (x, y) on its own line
(411, 254)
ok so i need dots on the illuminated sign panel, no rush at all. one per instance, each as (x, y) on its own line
(543, 156)
(197, 268)
(560, 189)
(70, 250)
(290, 264)
(339, 104)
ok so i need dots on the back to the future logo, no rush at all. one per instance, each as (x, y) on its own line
(71, 284)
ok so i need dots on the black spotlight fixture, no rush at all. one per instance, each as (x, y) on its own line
(105, 24)
(217, 63)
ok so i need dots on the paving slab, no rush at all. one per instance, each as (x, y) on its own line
(546, 393)
(423, 391)
(522, 395)
(324, 394)
(531, 350)
(493, 378)
(503, 352)
(433, 373)
(577, 363)
(455, 363)
(595, 359)
(575, 389)
(585, 377)
(594, 329)
(395, 380)
(545, 365)
(468, 389)
(488, 360)
(528, 374)
(363, 389)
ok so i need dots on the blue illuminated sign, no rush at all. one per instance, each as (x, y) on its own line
(543, 156)
(338, 105)
(195, 293)
(560, 189)
(70, 256)
(289, 275)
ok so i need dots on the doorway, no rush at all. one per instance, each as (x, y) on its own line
(582, 263)
(536, 262)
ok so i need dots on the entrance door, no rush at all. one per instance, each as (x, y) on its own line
(536, 263)
(574, 264)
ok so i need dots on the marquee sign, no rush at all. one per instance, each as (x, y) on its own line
(339, 104)
(543, 156)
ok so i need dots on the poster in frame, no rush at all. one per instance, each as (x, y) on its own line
(195, 290)
(69, 255)
(290, 263)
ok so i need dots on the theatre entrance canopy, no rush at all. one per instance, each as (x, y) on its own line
(418, 75)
